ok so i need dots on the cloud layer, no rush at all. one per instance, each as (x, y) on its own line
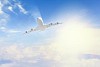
(75, 39)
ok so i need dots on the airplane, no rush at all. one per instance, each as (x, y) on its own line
(41, 26)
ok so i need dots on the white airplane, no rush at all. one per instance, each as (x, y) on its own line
(41, 26)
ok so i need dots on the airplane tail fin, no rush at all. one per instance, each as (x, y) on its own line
(39, 21)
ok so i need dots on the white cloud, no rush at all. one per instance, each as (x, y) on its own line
(13, 31)
(5, 1)
(4, 29)
(20, 54)
(4, 17)
(11, 9)
(1, 8)
(21, 9)
(7, 65)
(19, 5)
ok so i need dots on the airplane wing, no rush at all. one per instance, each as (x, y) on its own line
(39, 21)
(31, 30)
(53, 24)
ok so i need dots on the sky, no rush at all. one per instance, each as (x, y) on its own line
(74, 43)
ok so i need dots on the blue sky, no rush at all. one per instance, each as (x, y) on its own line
(48, 48)
(47, 8)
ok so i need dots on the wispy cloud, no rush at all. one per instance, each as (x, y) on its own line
(1, 5)
(90, 56)
(3, 29)
(11, 9)
(4, 17)
(21, 9)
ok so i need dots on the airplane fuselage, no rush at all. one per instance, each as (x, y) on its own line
(41, 28)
